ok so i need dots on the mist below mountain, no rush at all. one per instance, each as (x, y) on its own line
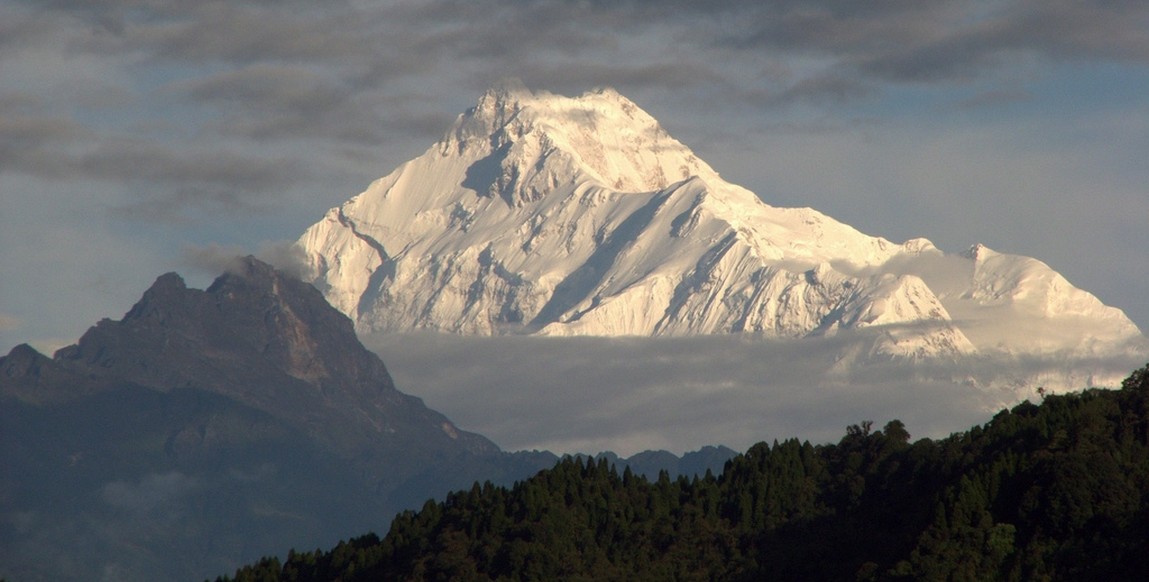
(632, 394)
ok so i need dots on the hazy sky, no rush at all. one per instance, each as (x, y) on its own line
(145, 136)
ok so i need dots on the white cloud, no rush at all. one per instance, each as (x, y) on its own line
(630, 394)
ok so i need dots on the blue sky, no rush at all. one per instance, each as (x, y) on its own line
(144, 136)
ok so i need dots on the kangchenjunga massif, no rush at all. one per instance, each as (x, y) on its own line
(543, 214)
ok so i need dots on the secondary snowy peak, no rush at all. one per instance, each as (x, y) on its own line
(1046, 310)
(538, 213)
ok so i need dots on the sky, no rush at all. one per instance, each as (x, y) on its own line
(139, 137)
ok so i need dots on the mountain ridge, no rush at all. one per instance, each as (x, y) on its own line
(263, 338)
(550, 215)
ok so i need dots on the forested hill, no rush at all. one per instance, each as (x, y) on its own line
(1056, 491)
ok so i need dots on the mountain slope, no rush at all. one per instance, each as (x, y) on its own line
(543, 214)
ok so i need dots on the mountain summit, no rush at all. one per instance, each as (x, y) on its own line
(543, 214)
(260, 339)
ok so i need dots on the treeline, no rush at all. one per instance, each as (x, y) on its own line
(1056, 491)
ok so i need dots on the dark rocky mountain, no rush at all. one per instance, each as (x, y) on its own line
(210, 427)
(271, 342)
(213, 426)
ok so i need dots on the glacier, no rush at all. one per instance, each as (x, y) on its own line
(550, 215)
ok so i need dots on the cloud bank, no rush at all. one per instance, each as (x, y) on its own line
(632, 394)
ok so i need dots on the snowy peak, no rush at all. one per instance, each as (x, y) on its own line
(1046, 311)
(600, 135)
(544, 214)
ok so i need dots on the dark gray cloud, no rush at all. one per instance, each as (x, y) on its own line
(897, 40)
(167, 184)
(928, 41)
(269, 72)
(365, 46)
(1113, 29)
(246, 33)
(832, 88)
(160, 180)
(130, 160)
(25, 139)
(20, 27)
(280, 88)
(269, 102)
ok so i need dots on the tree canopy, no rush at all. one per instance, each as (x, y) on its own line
(1051, 491)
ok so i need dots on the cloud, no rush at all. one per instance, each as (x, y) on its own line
(27, 141)
(362, 48)
(162, 182)
(1067, 29)
(241, 31)
(267, 102)
(21, 26)
(163, 179)
(931, 41)
(832, 88)
(152, 492)
(285, 256)
(240, 77)
(632, 394)
(131, 160)
(367, 45)
(215, 259)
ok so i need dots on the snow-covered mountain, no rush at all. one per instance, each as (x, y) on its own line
(543, 214)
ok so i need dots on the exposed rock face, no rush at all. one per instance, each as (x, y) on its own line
(271, 342)
(543, 214)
